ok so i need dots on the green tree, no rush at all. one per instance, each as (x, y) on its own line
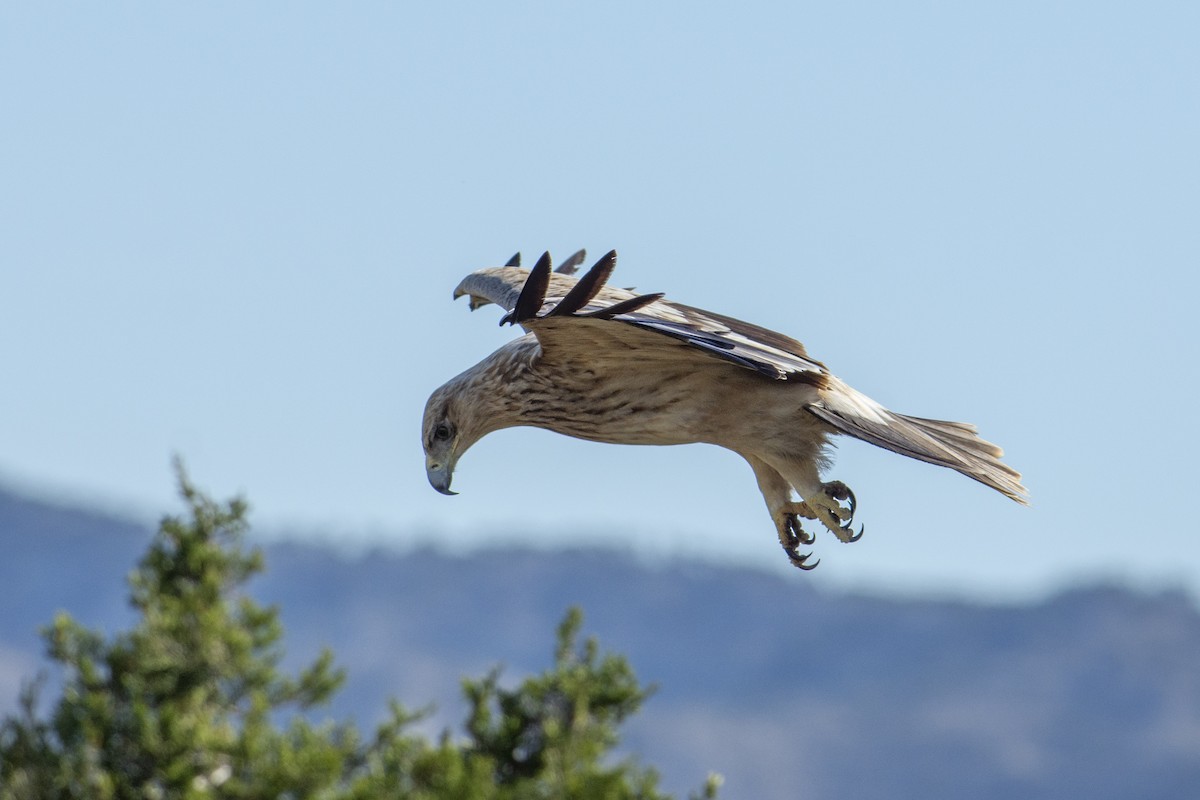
(186, 704)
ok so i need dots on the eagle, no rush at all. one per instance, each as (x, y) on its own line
(610, 365)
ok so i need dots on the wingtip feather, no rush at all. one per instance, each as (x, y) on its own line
(572, 262)
(533, 293)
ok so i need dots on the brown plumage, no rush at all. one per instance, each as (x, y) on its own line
(609, 365)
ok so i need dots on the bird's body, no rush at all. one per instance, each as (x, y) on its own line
(607, 365)
(642, 401)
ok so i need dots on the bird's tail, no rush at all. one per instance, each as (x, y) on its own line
(956, 445)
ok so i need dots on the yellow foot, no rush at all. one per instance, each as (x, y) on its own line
(826, 506)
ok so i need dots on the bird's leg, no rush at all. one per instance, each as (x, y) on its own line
(826, 505)
(785, 513)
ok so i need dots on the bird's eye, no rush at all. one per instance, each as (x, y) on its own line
(442, 432)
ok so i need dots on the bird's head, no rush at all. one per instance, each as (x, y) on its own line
(485, 398)
(452, 423)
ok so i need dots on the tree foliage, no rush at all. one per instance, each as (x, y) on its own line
(192, 703)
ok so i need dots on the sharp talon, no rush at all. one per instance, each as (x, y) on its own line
(836, 490)
(800, 561)
(840, 491)
(796, 533)
(802, 536)
(857, 536)
(843, 515)
(792, 536)
(793, 541)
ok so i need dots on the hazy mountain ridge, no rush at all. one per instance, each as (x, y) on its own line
(788, 691)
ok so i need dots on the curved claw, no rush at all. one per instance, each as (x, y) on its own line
(796, 532)
(856, 536)
(799, 560)
(840, 492)
(791, 536)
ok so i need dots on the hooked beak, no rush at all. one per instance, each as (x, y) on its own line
(440, 476)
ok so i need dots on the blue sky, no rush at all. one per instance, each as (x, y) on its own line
(230, 231)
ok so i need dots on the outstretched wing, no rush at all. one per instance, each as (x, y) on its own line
(541, 294)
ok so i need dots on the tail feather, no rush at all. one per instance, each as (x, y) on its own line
(963, 433)
(948, 444)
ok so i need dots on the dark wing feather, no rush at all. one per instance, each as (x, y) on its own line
(624, 307)
(572, 263)
(586, 287)
(773, 355)
(533, 293)
(750, 346)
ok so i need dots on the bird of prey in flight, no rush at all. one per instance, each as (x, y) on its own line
(608, 365)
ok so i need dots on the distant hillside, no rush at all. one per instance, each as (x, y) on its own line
(787, 691)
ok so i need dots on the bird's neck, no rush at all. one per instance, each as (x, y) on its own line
(502, 383)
